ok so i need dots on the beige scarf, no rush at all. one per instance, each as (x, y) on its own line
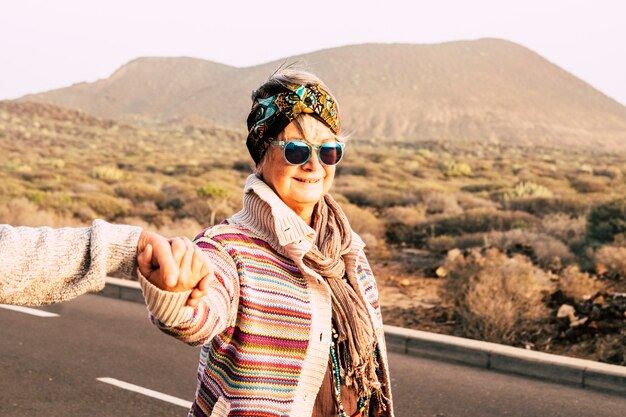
(356, 341)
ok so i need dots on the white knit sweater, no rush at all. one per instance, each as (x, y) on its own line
(44, 266)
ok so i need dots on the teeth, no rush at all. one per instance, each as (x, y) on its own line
(307, 181)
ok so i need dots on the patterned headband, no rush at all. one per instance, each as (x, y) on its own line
(269, 116)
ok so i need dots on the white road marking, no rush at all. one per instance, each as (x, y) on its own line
(146, 391)
(32, 311)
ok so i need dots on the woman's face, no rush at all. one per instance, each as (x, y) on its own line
(300, 186)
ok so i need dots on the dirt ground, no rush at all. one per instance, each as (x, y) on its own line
(409, 298)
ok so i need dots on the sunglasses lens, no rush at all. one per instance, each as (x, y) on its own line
(297, 153)
(331, 153)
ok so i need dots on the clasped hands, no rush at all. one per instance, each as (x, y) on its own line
(174, 265)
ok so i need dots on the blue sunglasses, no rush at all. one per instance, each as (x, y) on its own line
(298, 152)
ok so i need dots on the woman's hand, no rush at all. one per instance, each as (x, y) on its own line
(194, 268)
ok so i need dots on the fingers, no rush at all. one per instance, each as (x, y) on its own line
(178, 249)
(202, 274)
(186, 272)
(144, 260)
(200, 269)
(195, 297)
(163, 257)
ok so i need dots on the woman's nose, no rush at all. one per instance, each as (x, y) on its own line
(313, 164)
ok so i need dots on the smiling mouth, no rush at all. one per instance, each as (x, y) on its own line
(307, 181)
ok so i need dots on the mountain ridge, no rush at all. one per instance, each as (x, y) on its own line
(487, 89)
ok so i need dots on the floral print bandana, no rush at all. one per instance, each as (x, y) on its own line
(269, 116)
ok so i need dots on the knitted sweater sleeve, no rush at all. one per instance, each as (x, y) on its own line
(40, 265)
(214, 312)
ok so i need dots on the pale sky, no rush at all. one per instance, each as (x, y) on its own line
(48, 44)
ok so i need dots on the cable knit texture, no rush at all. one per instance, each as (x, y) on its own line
(44, 266)
(265, 325)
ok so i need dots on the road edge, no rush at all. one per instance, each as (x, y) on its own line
(492, 356)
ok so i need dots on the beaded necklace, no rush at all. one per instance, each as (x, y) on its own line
(360, 405)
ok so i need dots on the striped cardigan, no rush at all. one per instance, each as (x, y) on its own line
(265, 326)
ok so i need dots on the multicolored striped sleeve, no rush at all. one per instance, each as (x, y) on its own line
(217, 310)
(367, 282)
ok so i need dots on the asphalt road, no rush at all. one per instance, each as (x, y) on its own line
(50, 365)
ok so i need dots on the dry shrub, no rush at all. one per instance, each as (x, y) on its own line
(483, 188)
(442, 203)
(106, 206)
(564, 227)
(208, 210)
(138, 192)
(548, 251)
(468, 201)
(441, 244)
(541, 206)
(479, 220)
(590, 184)
(408, 215)
(21, 212)
(455, 169)
(471, 240)
(578, 285)
(611, 260)
(357, 169)
(107, 173)
(613, 173)
(369, 196)
(364, 222)
(551, 253)
(11, 187)
(180, 227)
(496, 298)
(526, 189)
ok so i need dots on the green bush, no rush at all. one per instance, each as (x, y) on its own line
(212, 190)
(606, 221)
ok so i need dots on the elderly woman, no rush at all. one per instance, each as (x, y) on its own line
(291, 325)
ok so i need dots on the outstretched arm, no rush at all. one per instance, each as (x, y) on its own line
(44, 266)
(41, 265)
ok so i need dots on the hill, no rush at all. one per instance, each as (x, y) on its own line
(484, 90)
